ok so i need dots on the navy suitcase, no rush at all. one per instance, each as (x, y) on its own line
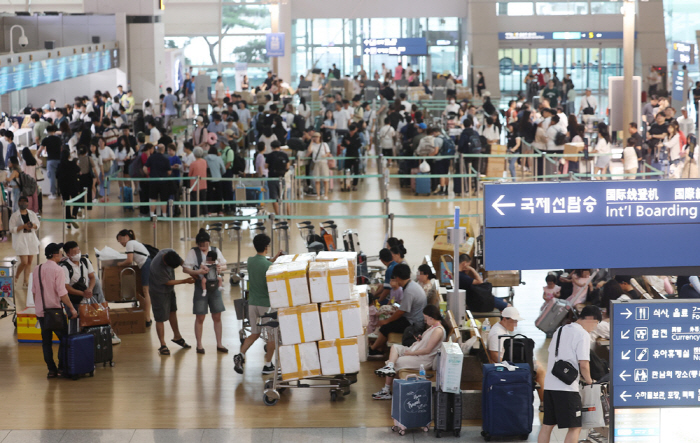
(128, 197)
(422, 184)
(411, 404)
(78, 355)
(506, 401)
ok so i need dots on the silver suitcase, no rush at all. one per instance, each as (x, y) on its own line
(553, 314)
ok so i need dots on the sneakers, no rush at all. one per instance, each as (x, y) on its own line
(115, 340)
(383, 394)
(238, 362)
(268, 369)
(53, 197)
(374, 353)
(75, 225)
(386, 371)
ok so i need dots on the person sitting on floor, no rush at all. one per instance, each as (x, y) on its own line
(410, 313)
(422, 352)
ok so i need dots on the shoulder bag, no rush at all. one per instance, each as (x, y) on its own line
(562, 369)
(54, 318)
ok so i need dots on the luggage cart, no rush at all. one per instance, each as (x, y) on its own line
(275, 386)
(7, 290)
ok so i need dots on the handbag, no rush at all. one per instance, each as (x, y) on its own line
(592, 414)
(93, 313)
(54, 318)
(39, 174)
(562, 369)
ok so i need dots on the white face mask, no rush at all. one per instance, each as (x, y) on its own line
(75, 257)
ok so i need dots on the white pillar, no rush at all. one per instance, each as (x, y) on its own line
(482, 32)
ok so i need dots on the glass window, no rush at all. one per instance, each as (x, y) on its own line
(197, 51)
(443, 23)
(236, 18)
(385, 27)
(562, 8)
(443, 58)
(327, 31)
(605, 7)
(248, 49)
(515, 8)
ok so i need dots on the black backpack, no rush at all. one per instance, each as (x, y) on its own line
(480, 297)
(238, 166)
(152, 251)
(599, 367)
(560, 139)
(136, 167)
(298, 125)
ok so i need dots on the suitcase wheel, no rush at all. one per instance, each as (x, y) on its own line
(437, 434)
(334, 395)
(457, 432)
(523, 437)
(75, 377)
(92, 374)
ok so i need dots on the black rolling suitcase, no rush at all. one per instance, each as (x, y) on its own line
(448, 409)
(103, 344)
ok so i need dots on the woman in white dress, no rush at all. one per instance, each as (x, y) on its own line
(23, 225)
(320, 153)
(422, 352)
(602, 146)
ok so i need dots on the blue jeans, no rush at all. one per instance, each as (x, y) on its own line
(499, 303)
(52, 167)
(511, 165)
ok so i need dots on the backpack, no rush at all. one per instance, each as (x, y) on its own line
(298, 125)
(136, 167)
(83, 262)
(27, 185)
(152, 251)
(480, 297)
(448, 146)
(426, 146)
(599, 367)
(560, 139)
(474, 144)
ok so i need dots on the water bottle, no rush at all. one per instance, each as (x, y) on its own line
(486, 325)
(421, 372)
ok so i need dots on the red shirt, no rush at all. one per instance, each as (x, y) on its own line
(54, 281)
(198, 168)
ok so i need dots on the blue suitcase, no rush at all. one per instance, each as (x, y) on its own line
(78, 355)
(128, 197)
(422, 184)
(506, 401)
(411, 404)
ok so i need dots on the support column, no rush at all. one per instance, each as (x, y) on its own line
(482, 35)
(281, 21)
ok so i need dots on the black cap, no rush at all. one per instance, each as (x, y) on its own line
(52, 248)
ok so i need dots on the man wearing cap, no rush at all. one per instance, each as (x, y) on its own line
(217, 127)
(509, 321)
(48, 286)
(163, 300)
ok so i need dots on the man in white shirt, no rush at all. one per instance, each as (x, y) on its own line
(588, 101)
(563, 120)
(562, 402)
(685, 123)
(154, 133)
(341, 118)
(451, 107)
(244, 114)
(386, 138)
(220, 91)
(509, 321)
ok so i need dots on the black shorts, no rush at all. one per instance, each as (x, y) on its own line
(397, 326)
(274, 187)
(562, 408)
(441, 166)
(159, 191)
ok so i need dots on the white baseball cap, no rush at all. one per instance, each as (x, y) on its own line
(512, 313)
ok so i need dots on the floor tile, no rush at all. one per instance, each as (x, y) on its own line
(3, 433)
(52, 436)
(97, 436)
(237, 435)
(167, 436)
(308, 435)
(374, 435)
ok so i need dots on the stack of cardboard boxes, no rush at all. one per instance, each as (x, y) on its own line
(320, 314)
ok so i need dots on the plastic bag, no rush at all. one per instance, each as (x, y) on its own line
(424, 167)
(109, 254)
(591, 407)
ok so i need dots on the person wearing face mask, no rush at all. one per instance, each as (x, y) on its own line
(23, 225)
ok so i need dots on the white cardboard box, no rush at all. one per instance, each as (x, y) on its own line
(288, 285)
(341, 319)
(305, 257)
(300, 324)
(351, 257)
(363, 344)
(359, 292)
(450, 367)
(299, 361)
(329, 281)
(339, 356)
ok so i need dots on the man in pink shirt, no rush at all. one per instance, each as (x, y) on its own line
(51, 276)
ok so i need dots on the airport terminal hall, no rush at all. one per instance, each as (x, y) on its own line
(335, 221)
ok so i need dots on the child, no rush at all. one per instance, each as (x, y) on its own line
(551, 290)
(212, 281)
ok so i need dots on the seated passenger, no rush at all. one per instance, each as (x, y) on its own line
(426, 279)
(468, 277)
(386, 258)
(625, 282)
(422, 352)
(410, 313)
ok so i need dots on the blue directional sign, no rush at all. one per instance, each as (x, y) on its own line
(274, 44)
(395, 46)
(655, 353)
(597, 224)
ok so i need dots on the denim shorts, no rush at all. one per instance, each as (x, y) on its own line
(146, 272)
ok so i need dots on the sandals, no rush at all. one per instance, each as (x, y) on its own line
(181, 342)
(163, 350)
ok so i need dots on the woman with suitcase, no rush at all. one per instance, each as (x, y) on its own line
(421, 353)
(137, 253)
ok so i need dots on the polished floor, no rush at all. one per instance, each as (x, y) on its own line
(200, 397)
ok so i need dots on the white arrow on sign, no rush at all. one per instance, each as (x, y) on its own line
(625, 335)
(624, 396)
(626, 355)
(627, 313)
(497, 205)
(624, 374)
